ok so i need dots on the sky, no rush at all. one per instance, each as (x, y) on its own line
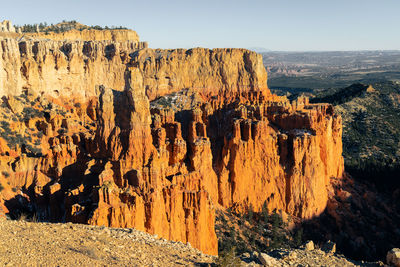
(280, 25)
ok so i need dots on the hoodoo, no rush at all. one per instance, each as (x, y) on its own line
(110, 132)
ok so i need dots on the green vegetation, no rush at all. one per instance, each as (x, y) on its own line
(254, 231)
(228, 258)
(13, 139)
(28, 140)
(371, 139)
(265, 213)
(371, 126)
(371, 130)
(308, 72)
(27, 217)
(250, 213)
(343, 95)
(29, 113)
(298, 237)
(62, 27)
(164, 101)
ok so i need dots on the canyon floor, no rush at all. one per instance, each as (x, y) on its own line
(56, 244)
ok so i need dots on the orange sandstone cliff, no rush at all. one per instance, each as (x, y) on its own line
(110, 132)
(119, 35)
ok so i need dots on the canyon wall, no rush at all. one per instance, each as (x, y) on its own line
(60, 67)
(113, 133)
(219, 72)
(68, 68)
(88, 35)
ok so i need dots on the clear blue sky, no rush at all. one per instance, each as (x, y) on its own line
(292, 25)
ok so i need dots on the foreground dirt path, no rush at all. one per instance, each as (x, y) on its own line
(46, 244)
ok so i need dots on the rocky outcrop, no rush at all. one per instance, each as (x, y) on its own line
(393, 257)
(108, 156)
(226, 73)
(64, 68)
(282, 164)
(6, 26)
(88, 35)
(61, 67)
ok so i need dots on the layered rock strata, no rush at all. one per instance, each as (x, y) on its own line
(101, 153)
(67, 68)
(6, 26)
(88, 35)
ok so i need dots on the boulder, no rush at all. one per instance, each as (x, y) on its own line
(329, 247)
(267, 260)
(309, 245)
(246, 255)
(393, 257)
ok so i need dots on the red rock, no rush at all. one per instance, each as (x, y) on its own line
(118, 163)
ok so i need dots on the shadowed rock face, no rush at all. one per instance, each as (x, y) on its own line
(163, 169)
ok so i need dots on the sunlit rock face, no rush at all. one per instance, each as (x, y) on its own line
(125, 136)
(6, 26)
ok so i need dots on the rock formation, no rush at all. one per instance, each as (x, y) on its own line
(88, 35)
(393, 257)
(6, 26)
(110, 145)
(63, 67)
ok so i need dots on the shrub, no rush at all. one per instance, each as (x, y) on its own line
(278, 239)
(276, 220)
(22, 217)
(66, 26)
(228, 258)
(250, 213)
(30, 113)
(33, 218)
(265, 212)
(298, 237)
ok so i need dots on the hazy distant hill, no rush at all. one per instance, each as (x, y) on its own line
(321, 70)
(259, 49)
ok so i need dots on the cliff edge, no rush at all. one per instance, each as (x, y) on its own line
(113, 133)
